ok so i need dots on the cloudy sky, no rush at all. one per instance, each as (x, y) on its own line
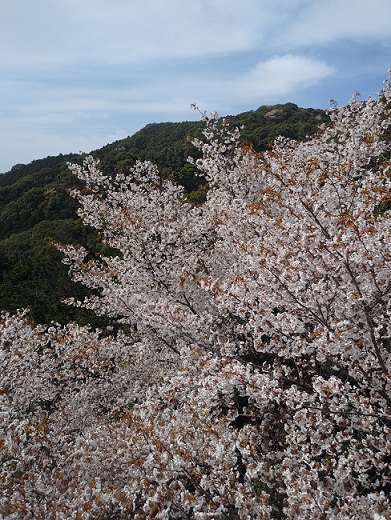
(78, 74)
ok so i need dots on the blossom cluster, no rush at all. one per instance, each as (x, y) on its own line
(250, 378)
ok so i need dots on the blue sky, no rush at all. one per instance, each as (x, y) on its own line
(78, 74)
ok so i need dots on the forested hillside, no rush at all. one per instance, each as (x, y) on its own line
(35, 204)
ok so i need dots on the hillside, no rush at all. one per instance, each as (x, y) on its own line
(35, 205)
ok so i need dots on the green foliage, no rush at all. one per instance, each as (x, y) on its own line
(32, 274)
(36, 197)
(197, 197)
(165, 144)
(20, 171)
(265, 124)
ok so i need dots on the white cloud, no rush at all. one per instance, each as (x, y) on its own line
(124, 31)
(269, 81)
(281, 75)
(128, 31)
(26, 142)
(321, 22)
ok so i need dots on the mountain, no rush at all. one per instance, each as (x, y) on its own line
(35, 205)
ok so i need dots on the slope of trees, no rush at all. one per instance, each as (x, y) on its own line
(34, 202)
(249, 376)
(168, 145)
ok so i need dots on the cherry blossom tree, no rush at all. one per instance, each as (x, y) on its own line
(250, 377)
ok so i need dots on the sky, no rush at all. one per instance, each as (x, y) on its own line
(76, 75)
